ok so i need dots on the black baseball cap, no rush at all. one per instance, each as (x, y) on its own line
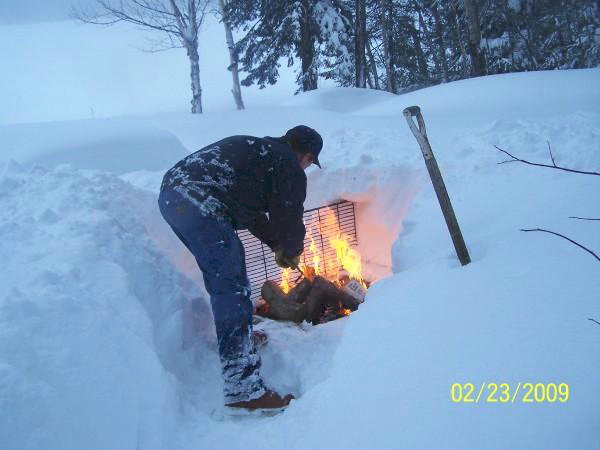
(304, 139)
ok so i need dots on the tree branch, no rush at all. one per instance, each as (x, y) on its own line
(553, 166)
(161, 44)
(154, 9)
(594, 320)
(143, 14)
(551, 155)
(568, 239)
(178, 16)
(582, 218)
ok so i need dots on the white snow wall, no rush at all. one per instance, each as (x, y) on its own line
(89, 314)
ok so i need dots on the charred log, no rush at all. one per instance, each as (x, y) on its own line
(325, 295)
(280, 306)
(317, 302)
(299, 292)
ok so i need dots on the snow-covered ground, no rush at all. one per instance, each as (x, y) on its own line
(106, 339)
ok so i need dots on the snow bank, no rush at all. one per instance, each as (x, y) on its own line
(89, 314)
(343, 100)
(518, 313)
(497, 320)
(508, 96)
(103, 342)
(110, 145)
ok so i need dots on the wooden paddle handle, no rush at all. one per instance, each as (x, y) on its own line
(420, 134)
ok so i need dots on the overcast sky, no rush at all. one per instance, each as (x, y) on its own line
(24, 11)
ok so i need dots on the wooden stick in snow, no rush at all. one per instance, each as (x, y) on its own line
(420, 134)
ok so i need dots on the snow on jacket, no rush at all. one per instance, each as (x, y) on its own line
(242, 178)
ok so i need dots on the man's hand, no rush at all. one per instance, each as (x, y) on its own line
(285, 261)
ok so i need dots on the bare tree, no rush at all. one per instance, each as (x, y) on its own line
(233, 55)
(179, 20)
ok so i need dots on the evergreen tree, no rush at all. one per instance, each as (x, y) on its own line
(309, 30)
(400, 45)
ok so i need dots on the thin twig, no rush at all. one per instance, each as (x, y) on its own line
(568, 239)
(553, 166)
(594, 320)
(551, 155)
(582, 218)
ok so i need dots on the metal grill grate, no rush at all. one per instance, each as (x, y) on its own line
(260, 261)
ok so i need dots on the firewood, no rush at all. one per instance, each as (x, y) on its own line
(348, 301)
(307, 301)
(337, 296)
(299, 292)
(322, 294)
(281, 307)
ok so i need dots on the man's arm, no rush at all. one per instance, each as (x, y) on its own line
(286, 207)
(261, 228)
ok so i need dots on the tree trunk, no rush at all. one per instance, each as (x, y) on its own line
(386, 34)
(427, 35)
(527, 11)
(421, 61)
(192, 51)
(233, 59)
(308, 76)
(373, 66)
(370, 83)
(460, 41)
(441, 47)
(360, 43)
(478, 66)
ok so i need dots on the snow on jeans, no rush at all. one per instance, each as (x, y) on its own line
(220, 255)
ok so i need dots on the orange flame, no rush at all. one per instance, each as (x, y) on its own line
(312, 255)
(346, 258)
(285, 280)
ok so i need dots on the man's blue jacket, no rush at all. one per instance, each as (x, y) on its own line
(244, 178)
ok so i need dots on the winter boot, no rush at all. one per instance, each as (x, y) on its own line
(270, 400)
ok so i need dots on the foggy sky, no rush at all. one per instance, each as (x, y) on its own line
(29, 11)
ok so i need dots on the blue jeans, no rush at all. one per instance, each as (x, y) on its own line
(220, 256)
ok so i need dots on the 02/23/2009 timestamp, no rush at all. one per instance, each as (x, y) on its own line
(510, 393)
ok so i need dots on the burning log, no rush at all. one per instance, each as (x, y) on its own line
(329, 255)
(280, 305)
(317, 301)
(323, 295)
(299, 292)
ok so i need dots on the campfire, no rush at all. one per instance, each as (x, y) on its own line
(327, 285)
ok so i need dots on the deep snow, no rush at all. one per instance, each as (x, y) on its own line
(106, 338)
